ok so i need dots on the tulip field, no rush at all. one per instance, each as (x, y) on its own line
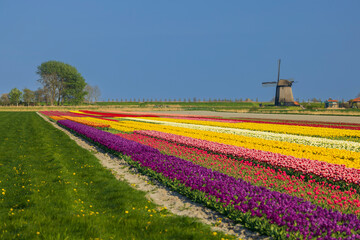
(51, 188)
(284, 179)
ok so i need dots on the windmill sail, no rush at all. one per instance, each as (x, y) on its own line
(269, 84)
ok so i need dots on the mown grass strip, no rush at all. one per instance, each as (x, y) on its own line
(53, 189)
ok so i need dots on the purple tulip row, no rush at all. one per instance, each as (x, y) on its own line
(293, 214)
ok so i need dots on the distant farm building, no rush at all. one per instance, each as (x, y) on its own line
(355, 103)
(330, 103)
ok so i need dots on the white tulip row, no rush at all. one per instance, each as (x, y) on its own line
(304, 140)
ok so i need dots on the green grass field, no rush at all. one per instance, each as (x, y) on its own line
(209, 106)
(53, 189)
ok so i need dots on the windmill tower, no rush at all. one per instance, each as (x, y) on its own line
(283, 93)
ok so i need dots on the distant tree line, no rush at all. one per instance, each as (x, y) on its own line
(181, 100)
(61, 84)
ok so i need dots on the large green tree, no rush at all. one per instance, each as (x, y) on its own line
(15, 96)
(61, 82)
(40, 96)
(4, 99)
(28, 96)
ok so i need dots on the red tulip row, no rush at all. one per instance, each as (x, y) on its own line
(105, 114)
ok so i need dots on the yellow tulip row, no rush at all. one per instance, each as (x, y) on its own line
(335, 156)
(56, 118)
(278, 128)
(87, 121)
(85, 114)
(115, 125)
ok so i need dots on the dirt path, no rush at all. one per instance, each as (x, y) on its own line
(163, 196)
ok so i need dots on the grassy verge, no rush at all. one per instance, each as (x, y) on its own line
(53, 189)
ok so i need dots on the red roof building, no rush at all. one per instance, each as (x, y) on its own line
(330, 103)
(355, 103)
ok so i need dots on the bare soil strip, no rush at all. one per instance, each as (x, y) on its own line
(163, 196)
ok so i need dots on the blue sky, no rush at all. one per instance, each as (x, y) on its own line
(185, 49)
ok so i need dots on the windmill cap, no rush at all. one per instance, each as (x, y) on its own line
(284, 82)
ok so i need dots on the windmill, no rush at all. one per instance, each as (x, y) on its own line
(283, 94)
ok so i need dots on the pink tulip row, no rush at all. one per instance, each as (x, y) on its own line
(323, 169)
